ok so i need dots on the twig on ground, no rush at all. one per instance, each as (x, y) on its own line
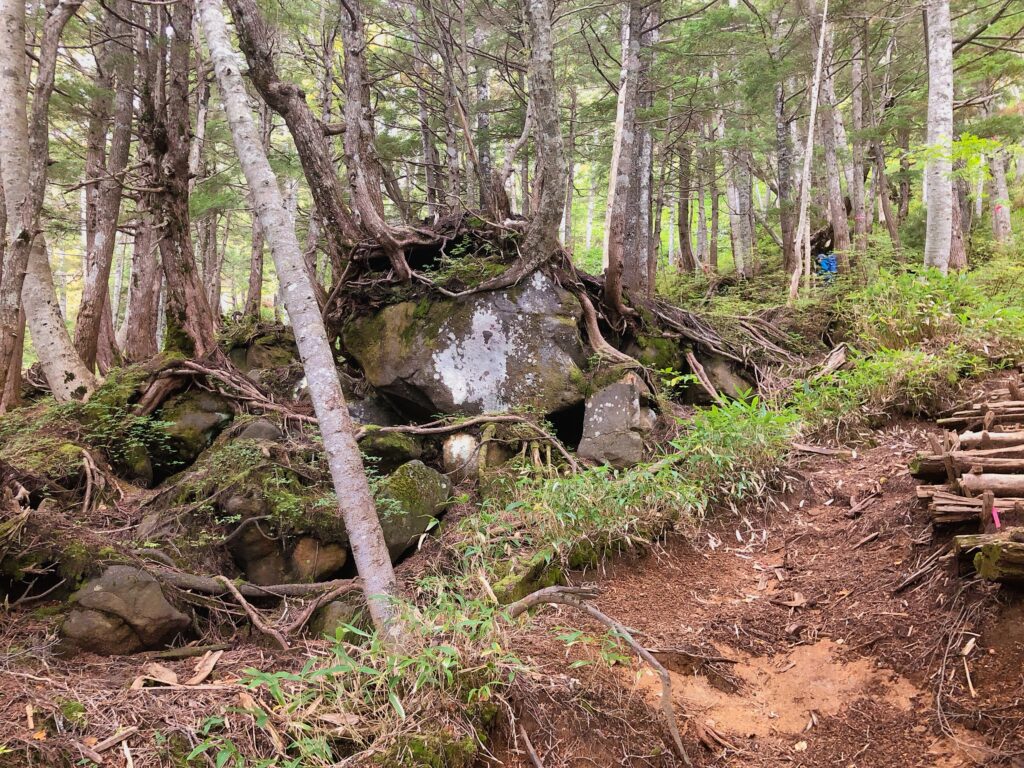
(534, 757)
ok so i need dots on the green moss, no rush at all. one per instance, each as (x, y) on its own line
(73, 712)
(658, 352)
(528, 576)
(438, 749)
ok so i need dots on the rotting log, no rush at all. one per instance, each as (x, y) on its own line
(1001, 485)
(994, 556)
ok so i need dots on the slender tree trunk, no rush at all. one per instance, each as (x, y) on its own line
(860, 222)
(254, 291)
(26, 280)
(939, 232)
(354, 497)
(431, 160)
(1002, 230)
(703, 255)
(591, 201)
(483, 122)
(624, 155)
(958, 247)
(687, 262)
(784, 154)
(570, 180)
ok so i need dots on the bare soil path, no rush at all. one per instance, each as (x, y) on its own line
(789, 644)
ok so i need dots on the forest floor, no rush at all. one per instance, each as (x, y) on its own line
(786, 638)
(788, 644)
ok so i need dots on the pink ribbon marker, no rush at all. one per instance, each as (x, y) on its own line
(995, 517)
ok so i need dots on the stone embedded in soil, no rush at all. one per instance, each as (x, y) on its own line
(261, 429)
(390, 450)
(409, 501)
(490, 352)
(194, 419)
(615, 423)
(122, 611)
(314, 561)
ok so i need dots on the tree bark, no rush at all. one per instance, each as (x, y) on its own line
(141, 317)
(687, 262)
(860, 222)
(1002, 230)
(939, 230)
(108, 188)
(354, 497)
(26, 280)
(289, 101)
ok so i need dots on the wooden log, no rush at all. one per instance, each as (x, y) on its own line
(1000, 485)
(994, 556)
(969, 440)
(936, 466)
(960, 509)
(929, 491)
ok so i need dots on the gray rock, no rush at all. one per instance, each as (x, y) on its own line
(257, 554)
(725, 378)
(461, 454)
(120, 612)
(409, 501)
(489, 352)
(615, 422)
(372, 411)
(261, 429)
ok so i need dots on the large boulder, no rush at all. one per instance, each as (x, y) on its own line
(122, 611)
(615, 421)
(489, 352)
(409, 501)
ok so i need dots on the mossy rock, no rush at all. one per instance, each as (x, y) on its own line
(334, 619)
(408, 503)
(656, 352)
(527, 576)
(390, 450)
(193, 419)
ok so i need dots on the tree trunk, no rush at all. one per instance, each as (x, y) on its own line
(784, 154)
(687, 262)
(142, 315)
(288, 100)
(26, 280)
(108, 191)
(354, 497)
(165, 129)
(570, 175)
(939, 230)
(624, 156)
(542, 233)
(860, 221)
(826, 113)
(1001, 228)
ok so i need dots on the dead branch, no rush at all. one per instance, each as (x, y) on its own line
(253, 614)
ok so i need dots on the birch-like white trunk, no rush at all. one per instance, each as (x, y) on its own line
(356, 502)
(939, 227)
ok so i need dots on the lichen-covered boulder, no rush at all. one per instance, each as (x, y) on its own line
(408, 502)
(615, 421)
(271, 347)
(489, 352)
(261, 429)
(122, 611)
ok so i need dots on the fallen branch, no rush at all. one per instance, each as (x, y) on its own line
(702, 377)
(208, 585)
(253, 614)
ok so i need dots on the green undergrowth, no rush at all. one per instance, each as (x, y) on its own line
(424, 704)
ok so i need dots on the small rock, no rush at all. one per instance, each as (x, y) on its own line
(121, 612)
(615, 422)
(461, 455)
(312, 561)
(335, 616)
(262, 429)
(194, 419)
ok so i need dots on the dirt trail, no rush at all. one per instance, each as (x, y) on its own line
(823, 664)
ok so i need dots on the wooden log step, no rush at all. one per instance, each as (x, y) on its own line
(1001, 485)
(985, 439)
(994, 556)
(972, 419)
(929, 491)
(935, 467)
(960, 509)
